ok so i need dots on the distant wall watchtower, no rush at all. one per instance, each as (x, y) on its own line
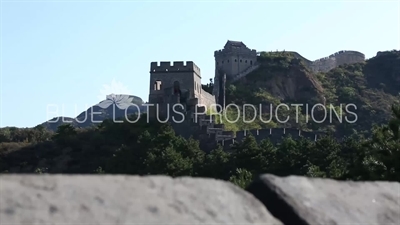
(235, 58)
(232, 62)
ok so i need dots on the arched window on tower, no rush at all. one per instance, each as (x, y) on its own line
(251, 62)
(157, 85)
(177, 88)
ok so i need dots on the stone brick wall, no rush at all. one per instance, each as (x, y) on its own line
(324, 64)
(207, 99)
(234, 60)
(337, 59)
(327, 63)
(164, 75)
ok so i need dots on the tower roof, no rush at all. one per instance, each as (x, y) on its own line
(237, 44)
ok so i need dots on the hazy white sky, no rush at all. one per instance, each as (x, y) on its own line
(62, 53)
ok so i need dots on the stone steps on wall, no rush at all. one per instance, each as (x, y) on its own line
(245, 72)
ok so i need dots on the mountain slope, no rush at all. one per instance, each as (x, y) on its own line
(372, 87)
(96, 114)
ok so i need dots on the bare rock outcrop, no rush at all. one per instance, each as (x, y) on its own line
(299, 200)
(272, 200)
(80, 199)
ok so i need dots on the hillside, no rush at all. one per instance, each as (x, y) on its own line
(372, 87)
(95, 114)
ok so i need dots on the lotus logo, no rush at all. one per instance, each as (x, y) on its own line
(121, 100)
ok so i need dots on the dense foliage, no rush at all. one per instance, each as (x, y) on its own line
(153, 148)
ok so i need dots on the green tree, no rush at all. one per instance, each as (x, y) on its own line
(384, 150)
(287, 158)
(65, 135)
(325, 156)
(247, 155)
(269, 154)
(241, 178)
(217, 164)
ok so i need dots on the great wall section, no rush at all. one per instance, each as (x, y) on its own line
(335, 60)
(180, 82)
(237, 60)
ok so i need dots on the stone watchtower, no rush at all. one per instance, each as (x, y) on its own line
(235, 58)
(178, 82)
(232, 61)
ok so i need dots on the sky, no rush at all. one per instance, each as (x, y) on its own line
(58, 58)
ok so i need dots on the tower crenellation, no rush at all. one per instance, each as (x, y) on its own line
(177, 66)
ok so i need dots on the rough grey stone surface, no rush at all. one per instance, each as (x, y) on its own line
(80, 199)
(300, 200)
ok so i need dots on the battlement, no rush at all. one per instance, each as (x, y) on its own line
(342, 53)
(177, 66)
(239, 51)
(211, 134)
(332, 61)
(273, 134)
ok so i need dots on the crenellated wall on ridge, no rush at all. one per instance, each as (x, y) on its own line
(210, 134)
(274, 135)
(330, 62)
(335, 60)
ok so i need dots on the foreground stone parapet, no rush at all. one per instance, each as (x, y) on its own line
(299, 200)
(62, 199)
